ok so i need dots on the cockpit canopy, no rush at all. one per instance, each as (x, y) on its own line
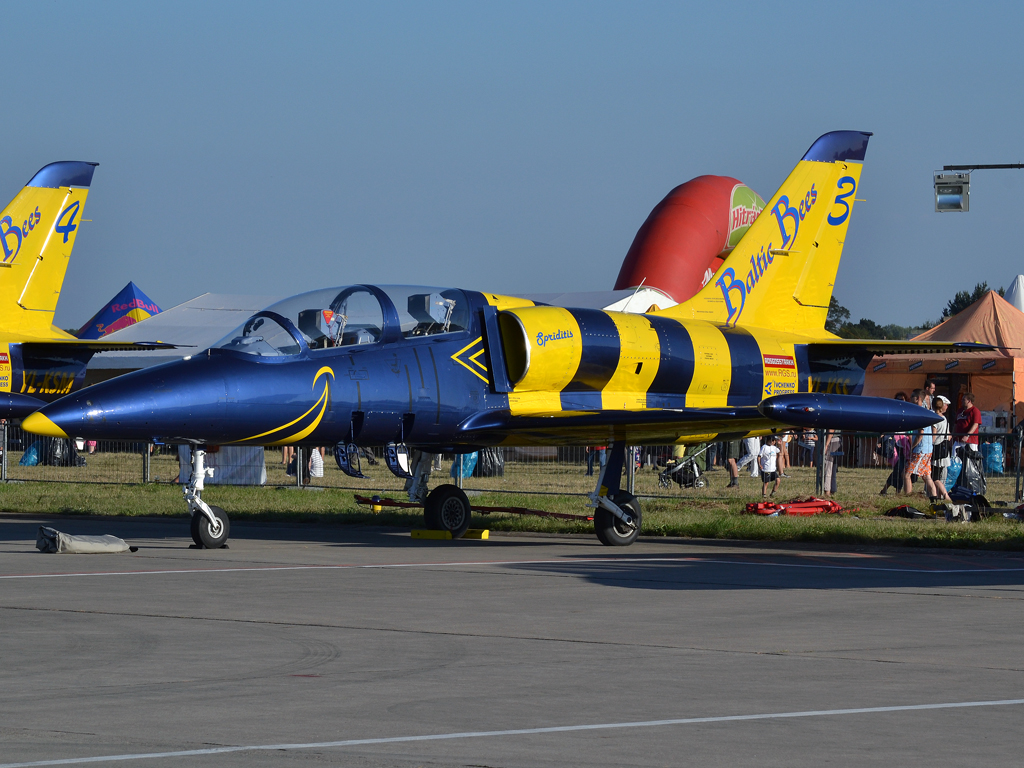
(349, 316)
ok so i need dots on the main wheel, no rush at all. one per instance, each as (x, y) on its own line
(448, 509)
(613, 532)
(431, 516)
(203, 533)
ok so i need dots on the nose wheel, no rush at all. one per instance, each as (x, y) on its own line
(206, 533)
(210, 525)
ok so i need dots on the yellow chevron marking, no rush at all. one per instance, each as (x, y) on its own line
(474, 360)
(464, 364)
(321, 401)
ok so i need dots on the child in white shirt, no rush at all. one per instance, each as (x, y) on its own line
(767, 461)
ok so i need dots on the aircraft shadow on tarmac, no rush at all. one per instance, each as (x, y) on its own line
(705, 565)
(784, 571)
(175, 531)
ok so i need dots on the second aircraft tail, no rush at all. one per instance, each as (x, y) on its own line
(37, 233)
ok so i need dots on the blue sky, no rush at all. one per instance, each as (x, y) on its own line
(272, 148)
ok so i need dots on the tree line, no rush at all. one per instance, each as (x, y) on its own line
(839, 323)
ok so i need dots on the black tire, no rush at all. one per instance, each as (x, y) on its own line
(194, 528)
(700, 482)
(611, 531)
(431, 515)
(448, 508)
(202, 532)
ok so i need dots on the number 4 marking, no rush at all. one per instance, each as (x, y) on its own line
(66, 229)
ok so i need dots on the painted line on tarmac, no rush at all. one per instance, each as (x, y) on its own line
(513, 732)
(466, 563)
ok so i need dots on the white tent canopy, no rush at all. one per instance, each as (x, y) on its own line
(1015, 293)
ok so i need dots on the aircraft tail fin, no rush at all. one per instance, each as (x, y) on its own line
(37, 232)
(781, 273)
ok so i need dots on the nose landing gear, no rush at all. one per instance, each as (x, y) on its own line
(210, 524)
(617, 518)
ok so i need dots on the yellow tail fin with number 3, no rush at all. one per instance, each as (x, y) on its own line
(780, 275)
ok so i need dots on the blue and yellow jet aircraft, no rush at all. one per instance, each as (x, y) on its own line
(38, 361)
(444, 370)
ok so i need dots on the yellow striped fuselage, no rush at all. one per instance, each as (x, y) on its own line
(581, 360)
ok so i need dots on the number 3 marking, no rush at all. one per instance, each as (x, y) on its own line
(841, 200)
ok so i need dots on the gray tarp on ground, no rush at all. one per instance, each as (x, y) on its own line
(52, 540)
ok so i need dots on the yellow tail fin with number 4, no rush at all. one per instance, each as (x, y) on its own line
(37, 233)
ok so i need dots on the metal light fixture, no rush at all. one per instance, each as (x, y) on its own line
(952, 191)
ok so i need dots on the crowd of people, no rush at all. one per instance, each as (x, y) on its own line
(767, 459)
(926, 454)
(923, 455)
(314, 462)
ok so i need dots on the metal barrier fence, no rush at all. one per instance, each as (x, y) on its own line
(558, 471)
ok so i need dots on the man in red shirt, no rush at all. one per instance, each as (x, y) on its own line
(968, 422)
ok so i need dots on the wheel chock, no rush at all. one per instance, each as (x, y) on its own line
(420, 533)
(472, 533)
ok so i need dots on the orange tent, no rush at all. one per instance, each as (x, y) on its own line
(991, 375)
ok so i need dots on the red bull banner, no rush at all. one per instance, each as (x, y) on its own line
(128, 307)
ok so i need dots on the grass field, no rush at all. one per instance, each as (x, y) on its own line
(712, 512)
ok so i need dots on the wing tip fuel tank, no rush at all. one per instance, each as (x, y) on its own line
(851, 412)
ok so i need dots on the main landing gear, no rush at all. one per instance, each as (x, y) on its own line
(447, 509)
(210, 525)
(617, 516)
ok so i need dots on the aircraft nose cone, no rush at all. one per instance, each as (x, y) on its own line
(39, 424)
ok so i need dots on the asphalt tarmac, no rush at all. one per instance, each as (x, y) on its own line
(308, 645)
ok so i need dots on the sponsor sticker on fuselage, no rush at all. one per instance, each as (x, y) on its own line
(780, 376)
(5, 368)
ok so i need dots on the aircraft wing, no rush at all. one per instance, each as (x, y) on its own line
(876, 347)
(98, 345)
(669, 425)
(653, 426)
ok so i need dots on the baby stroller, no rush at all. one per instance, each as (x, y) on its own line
(685, 472)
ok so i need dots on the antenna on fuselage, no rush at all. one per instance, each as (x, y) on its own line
(626, 305)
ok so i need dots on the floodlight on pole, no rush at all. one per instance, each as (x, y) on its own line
(953, 185)
(952, 192)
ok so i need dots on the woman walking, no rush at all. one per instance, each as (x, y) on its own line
(941, 447)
